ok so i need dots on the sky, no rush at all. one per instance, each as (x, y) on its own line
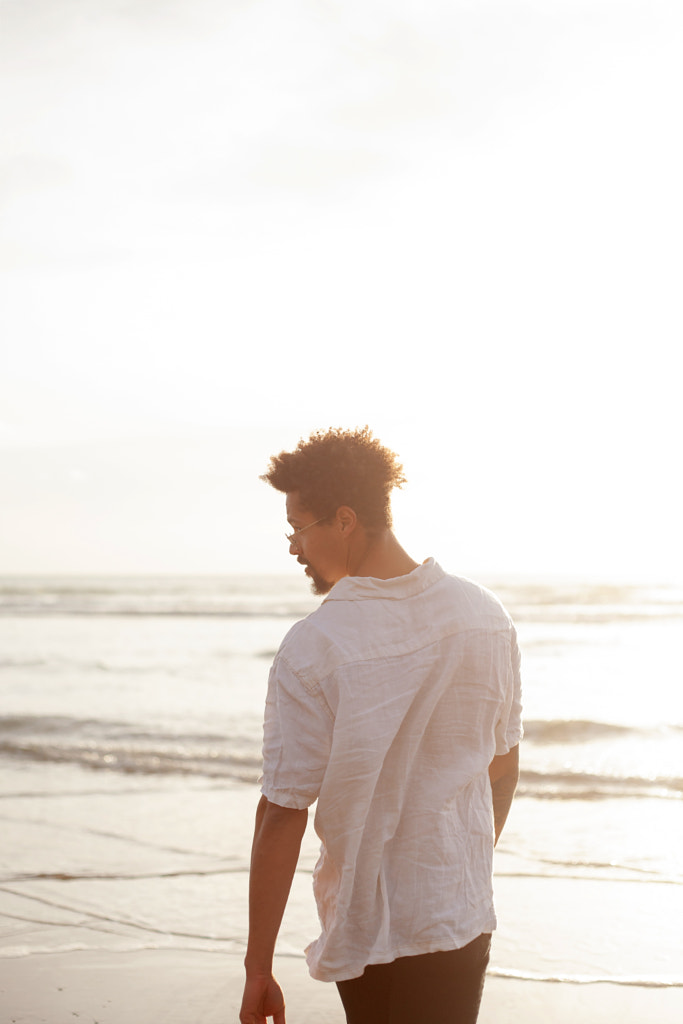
(227, 223)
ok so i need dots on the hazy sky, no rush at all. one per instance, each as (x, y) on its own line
(226, 223)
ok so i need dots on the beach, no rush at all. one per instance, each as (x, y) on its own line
(84, 937)
(205, 988)
(130, 739)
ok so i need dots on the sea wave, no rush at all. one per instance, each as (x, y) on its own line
(635, 981)
(286, 597)
(576, 785)
(121, 747)
(141, 761)
(206, 597)
(235, 754)
(561, 730)
(572, 730)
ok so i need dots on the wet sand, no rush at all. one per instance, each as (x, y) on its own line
(191, 987)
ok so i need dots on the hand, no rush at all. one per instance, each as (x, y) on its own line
(262, 998)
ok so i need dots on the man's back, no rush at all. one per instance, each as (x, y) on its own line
(387, 705)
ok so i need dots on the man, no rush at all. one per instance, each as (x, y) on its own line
(395, 705)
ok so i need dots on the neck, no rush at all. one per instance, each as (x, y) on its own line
(380, 556)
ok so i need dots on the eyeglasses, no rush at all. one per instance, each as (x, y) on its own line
(292, 537)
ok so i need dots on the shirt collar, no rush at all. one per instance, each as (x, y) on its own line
(360, 588)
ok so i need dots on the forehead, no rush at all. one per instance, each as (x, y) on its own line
(295, 509)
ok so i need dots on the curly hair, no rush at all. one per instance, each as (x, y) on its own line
(340, 467)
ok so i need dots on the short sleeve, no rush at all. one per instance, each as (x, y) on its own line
(297, 738)
(509, 726)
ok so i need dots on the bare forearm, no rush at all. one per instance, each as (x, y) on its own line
(274, 856)
(503, 791)
(504, 775)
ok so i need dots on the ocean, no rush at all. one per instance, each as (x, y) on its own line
(130, 734)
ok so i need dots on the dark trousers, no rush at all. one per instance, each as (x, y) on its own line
(433, 988)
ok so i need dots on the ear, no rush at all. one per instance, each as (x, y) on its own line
(346, 519)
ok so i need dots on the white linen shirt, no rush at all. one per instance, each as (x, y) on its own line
(387, 705)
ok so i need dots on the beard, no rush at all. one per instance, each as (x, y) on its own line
(319, 585)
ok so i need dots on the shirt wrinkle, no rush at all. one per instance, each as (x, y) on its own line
(341, 663)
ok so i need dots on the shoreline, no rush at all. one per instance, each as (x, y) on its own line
(191, 987)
